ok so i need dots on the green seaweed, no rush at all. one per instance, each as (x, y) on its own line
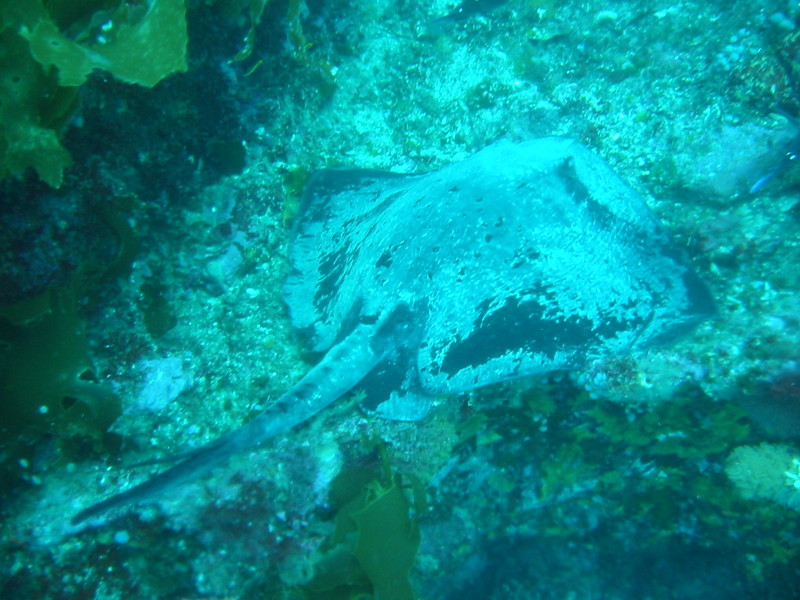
(374, 545)
(671, 428)
(159, 315)
(387, 541)
(295, 179)
(33, 108)
(256, 10)
(48, 382)
(139, 44)
(48, 49)
(47, 379)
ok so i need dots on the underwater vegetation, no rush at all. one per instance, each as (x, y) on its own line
(597, 471)
(50, 386)
(47, 380)
(48, 51)
(374, 545)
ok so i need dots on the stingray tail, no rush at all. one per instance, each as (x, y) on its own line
(197, 464)
(342, 367)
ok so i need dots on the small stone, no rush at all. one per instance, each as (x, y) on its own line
(781, 20)
(606, 16)
(122, 537)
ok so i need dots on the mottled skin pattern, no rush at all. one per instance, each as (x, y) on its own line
(522, 259)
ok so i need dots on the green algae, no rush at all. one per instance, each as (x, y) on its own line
(33, 108)
(387, 541)
(256, 10)
(671, 428)
(140, 44)
(295, 179)
(47, 50)
(374, 545)
(45, 360)
(48, 382)
(159, 315)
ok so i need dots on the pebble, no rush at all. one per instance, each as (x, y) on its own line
(122, 537)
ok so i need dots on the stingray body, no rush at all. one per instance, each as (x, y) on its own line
(522, 259)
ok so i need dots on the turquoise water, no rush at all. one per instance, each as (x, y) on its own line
(152, 319)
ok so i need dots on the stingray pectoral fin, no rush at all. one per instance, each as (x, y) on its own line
(343, 366)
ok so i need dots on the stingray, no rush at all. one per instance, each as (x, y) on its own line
(522, 259)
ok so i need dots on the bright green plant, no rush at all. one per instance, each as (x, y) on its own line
(48, 49)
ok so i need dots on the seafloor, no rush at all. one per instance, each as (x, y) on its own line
(652, 476)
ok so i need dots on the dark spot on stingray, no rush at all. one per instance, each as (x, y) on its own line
(385, 259)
